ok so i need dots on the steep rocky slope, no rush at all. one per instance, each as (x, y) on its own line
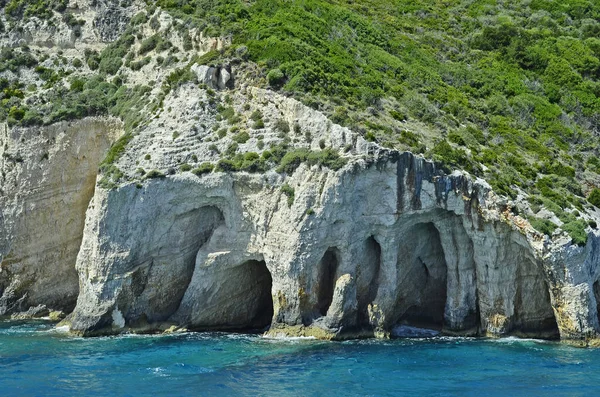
(225, 205)
(48, 179)
(385, 240)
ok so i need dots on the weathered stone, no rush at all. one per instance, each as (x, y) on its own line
(389, 241)
(48, 177)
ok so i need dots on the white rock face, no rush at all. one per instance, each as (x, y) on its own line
(213, 77)
(386, 241)
(389, 242)
(48, 177)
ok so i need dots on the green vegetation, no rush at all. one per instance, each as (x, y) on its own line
(290, 193)
(507, 91)
(204, 168)
(153, 174)
(594, 197)
(27, 8)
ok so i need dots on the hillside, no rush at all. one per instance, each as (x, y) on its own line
(316, 168)
(506, 91)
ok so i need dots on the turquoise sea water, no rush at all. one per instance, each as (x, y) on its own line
(36, 360)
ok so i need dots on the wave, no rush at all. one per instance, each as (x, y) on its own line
(285, 338)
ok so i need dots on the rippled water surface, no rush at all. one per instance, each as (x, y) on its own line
(36, 360)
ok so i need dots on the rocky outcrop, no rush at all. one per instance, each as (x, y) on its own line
(388, 240)
(214, 77)
(48, 177)
(102, 21)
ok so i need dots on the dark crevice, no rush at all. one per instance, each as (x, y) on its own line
(422, 299)
(261, 311)
(370, 273)
(326, 281)
(596, 288)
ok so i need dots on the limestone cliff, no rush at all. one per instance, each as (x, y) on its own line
(48, 178)
(230, 207)
(386, 240)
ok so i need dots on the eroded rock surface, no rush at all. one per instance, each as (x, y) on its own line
(48, 178)
(386, 241)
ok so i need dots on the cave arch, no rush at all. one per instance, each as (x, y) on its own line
(327, 269)
(422, 270)
(368, 282)
(231, 296)
(259, 297)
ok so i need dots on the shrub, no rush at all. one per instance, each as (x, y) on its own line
(140, 64)
(282, 126)
(226, 165)
(149, 44)
(232, 149)
(329, 158)
(289, 192)
(543, 225)
(576, 230)
(241, 137)
(204, 168)
(111, 58)
(594, 197)
(185, 167)
(152, 174)
(275, 77)
(292, 160)
(256, 115)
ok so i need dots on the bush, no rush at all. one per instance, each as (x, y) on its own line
(152, 174)
(594, 197)
(329, 158)
(116, 150)
(576, 230)
(282, 126)
(543, 225)
(241, 137)
(111, 58)
(149, 44)
(292, 160)
(289, 192)
(275, 77)
(204, 168)
(226, 165)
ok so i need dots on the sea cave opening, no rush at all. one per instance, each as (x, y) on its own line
(326, 280)
(369, 283)
(257, 295)
(423, 289)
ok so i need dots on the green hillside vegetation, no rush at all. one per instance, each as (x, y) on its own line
(505, 90)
